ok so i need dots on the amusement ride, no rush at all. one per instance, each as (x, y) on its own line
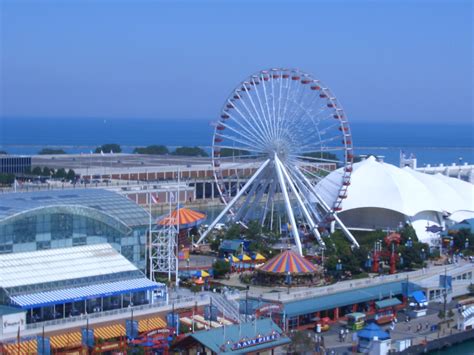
(292, 131)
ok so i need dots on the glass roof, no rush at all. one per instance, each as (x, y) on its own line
(36, 267)
(109, 202)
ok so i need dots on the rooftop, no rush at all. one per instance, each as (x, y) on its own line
(36, 267)
(344, 298)
(237, 339)
(108, 202)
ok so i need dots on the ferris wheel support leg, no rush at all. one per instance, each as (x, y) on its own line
(233, 201)
(289, 211)
(346, 231)
(307, 215)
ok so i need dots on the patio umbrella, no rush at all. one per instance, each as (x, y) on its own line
(234, 259)
(201, 273)
(259, 257)
(187, 218)
(244, 257)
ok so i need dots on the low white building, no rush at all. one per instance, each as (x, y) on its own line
(384, 196)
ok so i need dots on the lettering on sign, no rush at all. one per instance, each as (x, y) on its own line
(256, 341)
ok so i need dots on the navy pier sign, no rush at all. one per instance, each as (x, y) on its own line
(255, 341)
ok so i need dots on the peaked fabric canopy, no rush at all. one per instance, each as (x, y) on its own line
(187, 218)
(259, 257)
(288, 261)
(371, 331)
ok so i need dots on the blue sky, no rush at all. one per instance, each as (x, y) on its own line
(407, 60)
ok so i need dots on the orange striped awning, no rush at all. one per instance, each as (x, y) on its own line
(187, 218)
(149, 324)
(24, 348)
(66, 340)
(109, 332)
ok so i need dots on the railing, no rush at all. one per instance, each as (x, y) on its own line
(179, 302)
(354, 284)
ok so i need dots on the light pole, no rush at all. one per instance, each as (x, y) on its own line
(288, 281)
(466, 244)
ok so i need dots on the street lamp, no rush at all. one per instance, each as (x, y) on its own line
(368, 263)
(409, 243)
(400, 257)
(423, 255)
(288, 280)
(466, 244)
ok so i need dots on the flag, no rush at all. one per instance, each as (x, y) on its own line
(154, 198)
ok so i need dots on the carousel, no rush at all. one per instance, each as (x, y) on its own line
(287, 269)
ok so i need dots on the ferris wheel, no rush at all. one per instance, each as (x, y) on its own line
(281, 131)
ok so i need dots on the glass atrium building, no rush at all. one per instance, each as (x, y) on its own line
(52, 219)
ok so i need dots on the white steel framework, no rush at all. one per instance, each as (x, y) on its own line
(294, 125)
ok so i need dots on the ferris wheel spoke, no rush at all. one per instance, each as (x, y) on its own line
(257, 135)
(270, 193)
(304, 210)
(306, 157)
(260, 119)
(252, 122)
(249, 195)
(262, 110)
(243, 139)
(255, 203)
(266, 100)
(246, 141)
(254, 119)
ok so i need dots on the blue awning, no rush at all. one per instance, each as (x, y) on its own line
(419, 296)
(42, 299)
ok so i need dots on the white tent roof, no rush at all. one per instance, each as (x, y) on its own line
(381, 185)
(28, 268)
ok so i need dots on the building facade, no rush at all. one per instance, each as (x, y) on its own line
(65, 218)
(14, 164)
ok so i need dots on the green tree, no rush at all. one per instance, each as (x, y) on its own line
(228, 152)
(60, 173)
(152, 149)
(6, 179)
(109, 147)
(220, 268)
(37, 171)
(46, 151)
(3, 152)
(190, 151)
(71, 175)
(47, 171)
(233, 232)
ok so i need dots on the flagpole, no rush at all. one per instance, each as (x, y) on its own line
(152, 277)
(177, 235)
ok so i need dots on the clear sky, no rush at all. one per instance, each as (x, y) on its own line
(407, 60)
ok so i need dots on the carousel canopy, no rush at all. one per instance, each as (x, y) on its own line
(288, 261)
(185, 217)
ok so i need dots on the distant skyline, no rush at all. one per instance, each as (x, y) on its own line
(406, 61)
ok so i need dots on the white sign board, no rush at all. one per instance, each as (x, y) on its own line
(11, 322)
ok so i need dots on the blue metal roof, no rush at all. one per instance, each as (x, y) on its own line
(243, 334)
(345, 298)
(105, 201)
(419, 296)
(371, 331)
(389, 302)
(49, 298)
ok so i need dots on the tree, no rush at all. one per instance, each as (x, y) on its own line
(71, 175)
(220, 268)
(3, 152)
(47, 171)
(109, 147)
(6, 179)
(46, 151)
(60, 173)
(152, 149)
(190, 152)
(228, 152)
(37, 171)
(233, 232)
